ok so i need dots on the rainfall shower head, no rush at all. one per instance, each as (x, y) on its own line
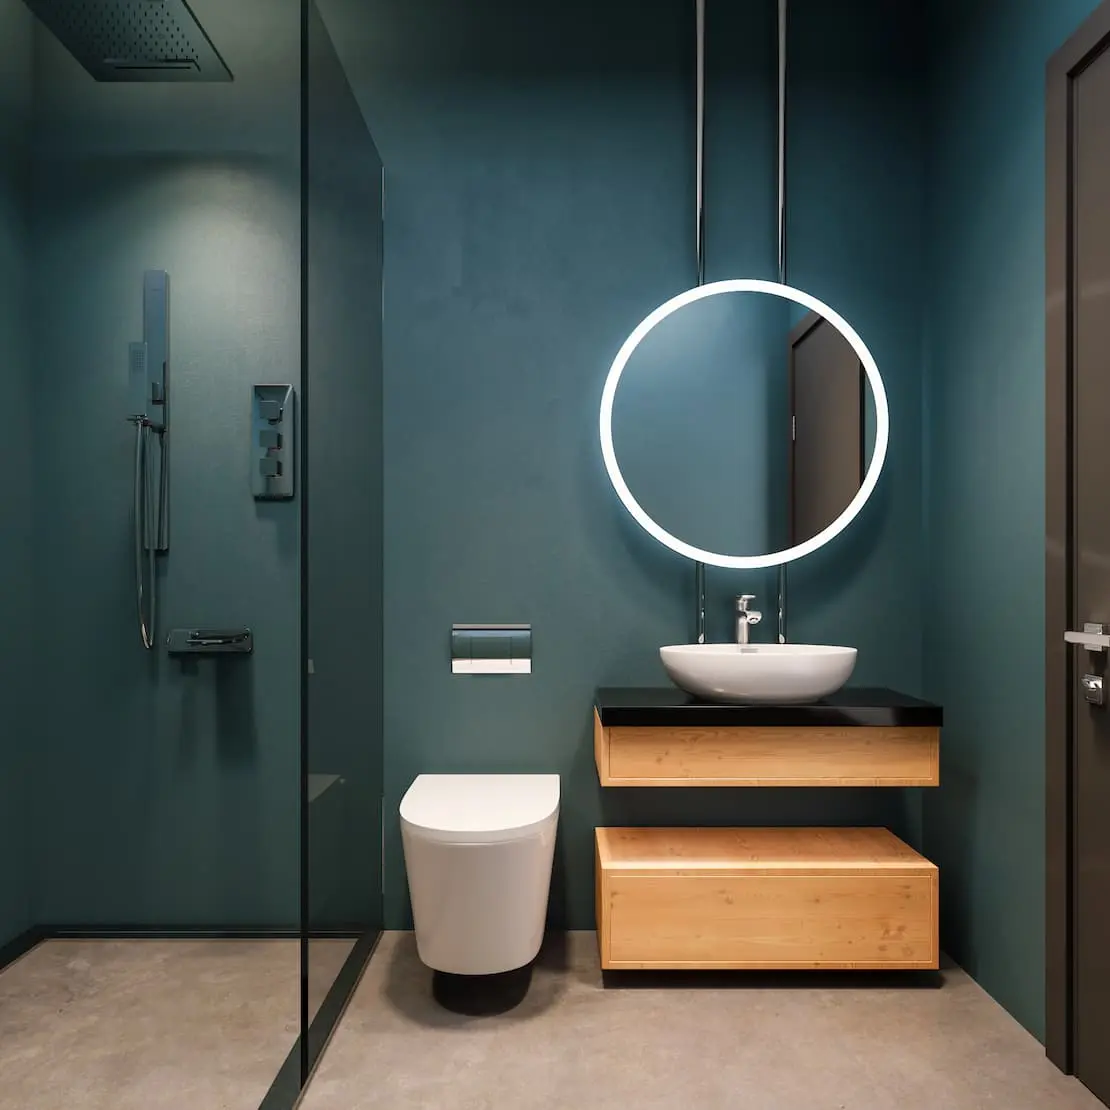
(134, 40)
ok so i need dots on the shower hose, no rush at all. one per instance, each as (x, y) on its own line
(144, 515)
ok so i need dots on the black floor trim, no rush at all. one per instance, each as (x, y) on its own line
(20, 946)
(130, 931)
(127, 931)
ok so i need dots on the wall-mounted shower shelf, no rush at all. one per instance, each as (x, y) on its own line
(210, 641)
(318, 785)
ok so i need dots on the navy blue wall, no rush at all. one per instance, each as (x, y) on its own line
(985, 420)
(539, 196)
(169, 792)
(17, 668)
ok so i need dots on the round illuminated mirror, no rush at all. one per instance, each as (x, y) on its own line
(744, 424)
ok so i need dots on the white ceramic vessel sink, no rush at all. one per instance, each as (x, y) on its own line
(783, 674)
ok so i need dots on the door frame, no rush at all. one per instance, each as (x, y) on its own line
(1084, 46)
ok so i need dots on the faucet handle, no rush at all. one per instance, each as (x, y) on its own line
(742, 602)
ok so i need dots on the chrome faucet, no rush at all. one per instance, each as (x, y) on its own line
(745, 617)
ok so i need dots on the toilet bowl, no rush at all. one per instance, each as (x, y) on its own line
(478, 852)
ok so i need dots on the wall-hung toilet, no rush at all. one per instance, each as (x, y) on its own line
(478, 852)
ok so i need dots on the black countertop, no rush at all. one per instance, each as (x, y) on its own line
(669, 707)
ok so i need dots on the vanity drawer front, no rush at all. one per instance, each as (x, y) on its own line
(766, 913)
(808, 756)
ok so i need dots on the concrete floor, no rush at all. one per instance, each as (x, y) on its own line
(681, 1044)
(123, 1025)
(152, 1024)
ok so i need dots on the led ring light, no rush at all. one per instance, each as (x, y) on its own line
(882, 424)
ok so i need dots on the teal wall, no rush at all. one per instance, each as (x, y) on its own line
(169, 793)
(16, 505)
(985, 506)
(539, 196)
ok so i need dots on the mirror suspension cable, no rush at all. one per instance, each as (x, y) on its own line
(782, 241)
(699, 222)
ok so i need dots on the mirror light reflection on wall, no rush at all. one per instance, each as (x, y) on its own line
(744, 423)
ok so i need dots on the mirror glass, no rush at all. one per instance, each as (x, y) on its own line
(744, 423)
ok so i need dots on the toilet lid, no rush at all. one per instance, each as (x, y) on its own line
(476, 808)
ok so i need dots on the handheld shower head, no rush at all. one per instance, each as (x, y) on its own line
(137, 379)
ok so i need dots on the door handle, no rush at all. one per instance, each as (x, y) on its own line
(1093, 637)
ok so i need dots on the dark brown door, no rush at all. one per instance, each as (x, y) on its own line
(826, 396)
(1090, 557)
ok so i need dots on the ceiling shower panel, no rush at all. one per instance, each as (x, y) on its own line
(134, 40)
